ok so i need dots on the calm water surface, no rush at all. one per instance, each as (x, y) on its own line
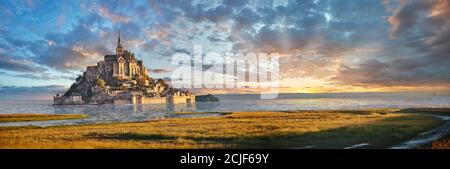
(127, 113)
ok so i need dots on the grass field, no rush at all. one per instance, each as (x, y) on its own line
(38, 117)
(296, 129)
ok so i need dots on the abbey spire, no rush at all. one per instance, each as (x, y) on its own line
(119, 47)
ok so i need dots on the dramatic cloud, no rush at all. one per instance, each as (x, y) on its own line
(77, 48)
(421, 27)
(324, 43)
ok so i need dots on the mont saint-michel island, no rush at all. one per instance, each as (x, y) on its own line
(121, 79)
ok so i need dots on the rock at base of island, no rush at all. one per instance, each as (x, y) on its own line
(206, 98)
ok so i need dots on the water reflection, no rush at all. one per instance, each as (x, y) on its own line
(127, 112)
(116, 113)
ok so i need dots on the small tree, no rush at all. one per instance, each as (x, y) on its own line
(101, 83)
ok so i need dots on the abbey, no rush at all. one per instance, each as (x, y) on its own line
(123, 65)
(121, 78)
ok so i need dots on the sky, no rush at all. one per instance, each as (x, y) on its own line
(327, 45)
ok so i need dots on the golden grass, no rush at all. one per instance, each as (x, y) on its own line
(38, 117)
(321, 129)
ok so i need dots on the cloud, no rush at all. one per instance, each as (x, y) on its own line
(376, 73)
(408, 15)
(246, 18)
(38, 76)
(30, 93)
(115, 18)
(235, 3)
(77, 48)
(158, 71)
(213, 38)
(363, 43)
(83, 45)
(419, 54)
(32, 89)
(20, 65)
(324, 40)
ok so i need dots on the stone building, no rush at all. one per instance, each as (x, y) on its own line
(74, 98)
(123, 65)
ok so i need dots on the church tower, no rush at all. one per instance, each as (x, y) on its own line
(119, 47)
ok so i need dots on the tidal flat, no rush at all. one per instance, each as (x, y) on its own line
(7, 118)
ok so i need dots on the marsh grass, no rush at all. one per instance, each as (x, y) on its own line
(38, 117)
(292, 129)
(195, 113)
(443, 143)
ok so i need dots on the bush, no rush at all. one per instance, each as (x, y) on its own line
(101, 83)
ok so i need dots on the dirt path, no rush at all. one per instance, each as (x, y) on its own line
(427, 137)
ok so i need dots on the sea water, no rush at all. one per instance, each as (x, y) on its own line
(228, 103)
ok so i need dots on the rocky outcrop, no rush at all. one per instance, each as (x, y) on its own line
(206, 98)
(99, 97)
